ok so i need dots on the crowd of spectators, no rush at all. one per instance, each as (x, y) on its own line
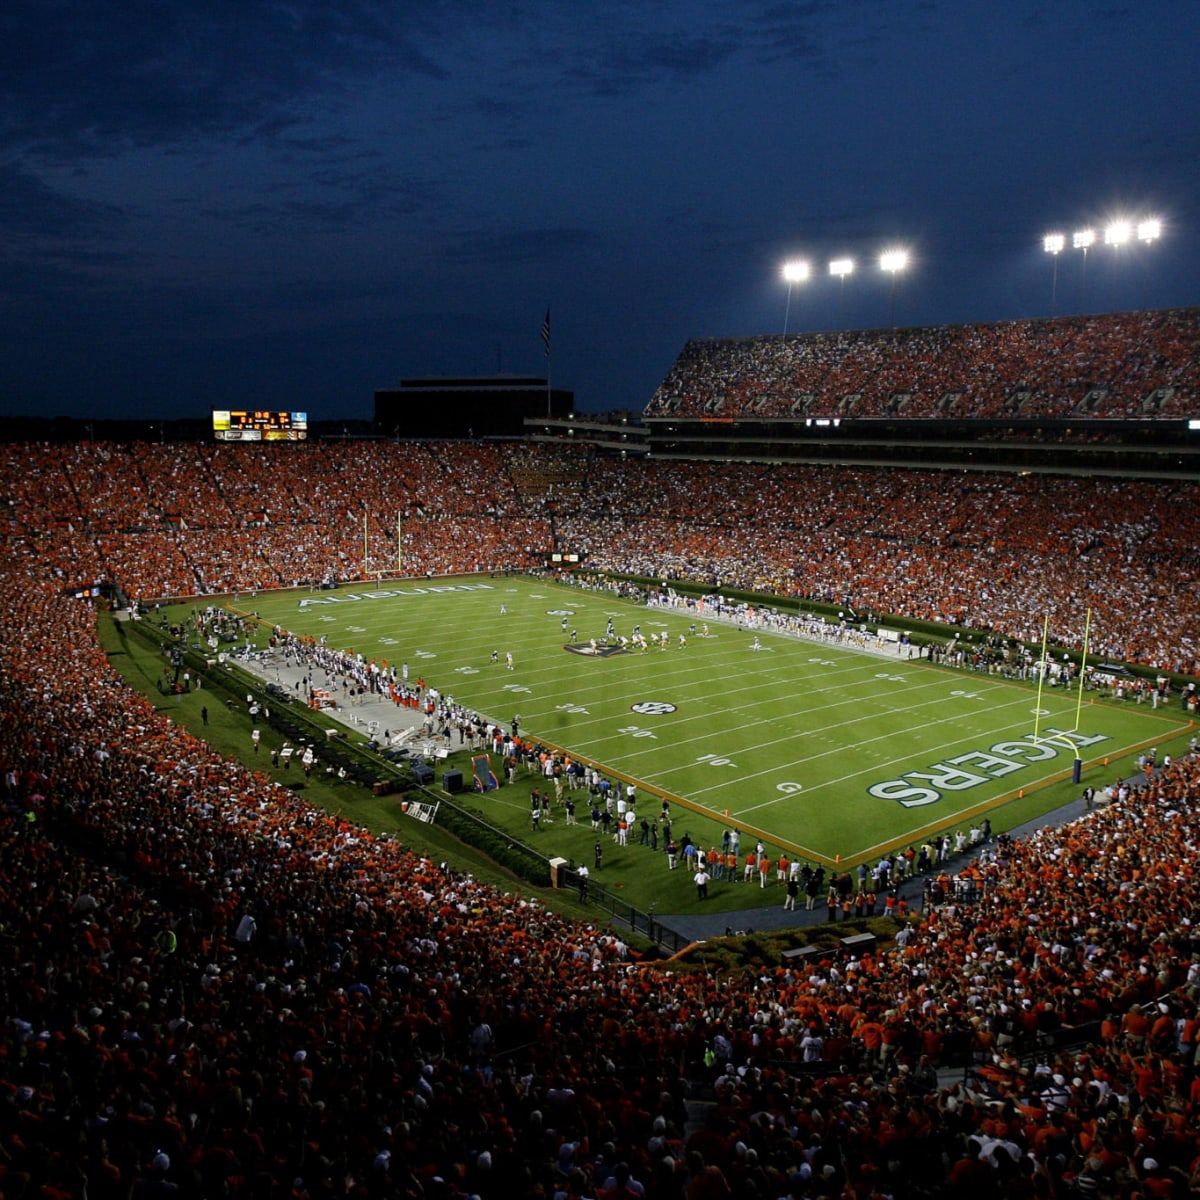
(984, 551)
(212, 990)
(1122, 365)
(202, 519)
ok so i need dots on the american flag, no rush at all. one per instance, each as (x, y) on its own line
(546, 332)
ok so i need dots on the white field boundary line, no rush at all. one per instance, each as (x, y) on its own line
(591, 746)
(502, 694)
(968, 740)
(710, 705)
(875, 767)
(824, 730)
(681, 617)
(848, 652)
(834, 679)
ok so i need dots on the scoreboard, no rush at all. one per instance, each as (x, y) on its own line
(231, 425)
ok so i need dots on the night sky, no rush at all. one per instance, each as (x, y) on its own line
(224, 203)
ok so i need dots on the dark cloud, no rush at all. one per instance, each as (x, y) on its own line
(95, 76)
(484, 247)
(678, 56)
(34, 214)
(800, 31)
(331, 198)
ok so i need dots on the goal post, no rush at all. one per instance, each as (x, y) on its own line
(1063, 739)
(1043, 661)
(1087, 632)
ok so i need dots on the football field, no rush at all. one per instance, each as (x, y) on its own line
(833, 753)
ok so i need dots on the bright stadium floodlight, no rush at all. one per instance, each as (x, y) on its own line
(841, 267)
(1118, 233)
(1053, 244)
(893, 261)
(795, 271)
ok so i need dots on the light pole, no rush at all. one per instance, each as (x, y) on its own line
(1148, 231)
(1082, 240)
(893, 261)
(841, 267)
(1053, 244)
(794, 272)
(1116, 235)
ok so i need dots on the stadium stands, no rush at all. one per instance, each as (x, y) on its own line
(211, 990)
(1128, 365)
(979, 550)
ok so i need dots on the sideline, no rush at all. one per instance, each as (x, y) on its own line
(365, 718)
(698, 927)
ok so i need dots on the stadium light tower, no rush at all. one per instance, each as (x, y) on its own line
(794, 272)
(1053, 244)
(1116, 234)
(893, 261)
(1083, 240)
(1148, 231)
(841, 267)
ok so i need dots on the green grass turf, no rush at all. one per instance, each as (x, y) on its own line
(834, 754)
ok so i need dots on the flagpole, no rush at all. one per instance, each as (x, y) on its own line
(546, 346)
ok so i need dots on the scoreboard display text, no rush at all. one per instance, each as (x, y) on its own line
(233, 426)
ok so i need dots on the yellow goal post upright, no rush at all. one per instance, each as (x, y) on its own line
(1060, 738)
